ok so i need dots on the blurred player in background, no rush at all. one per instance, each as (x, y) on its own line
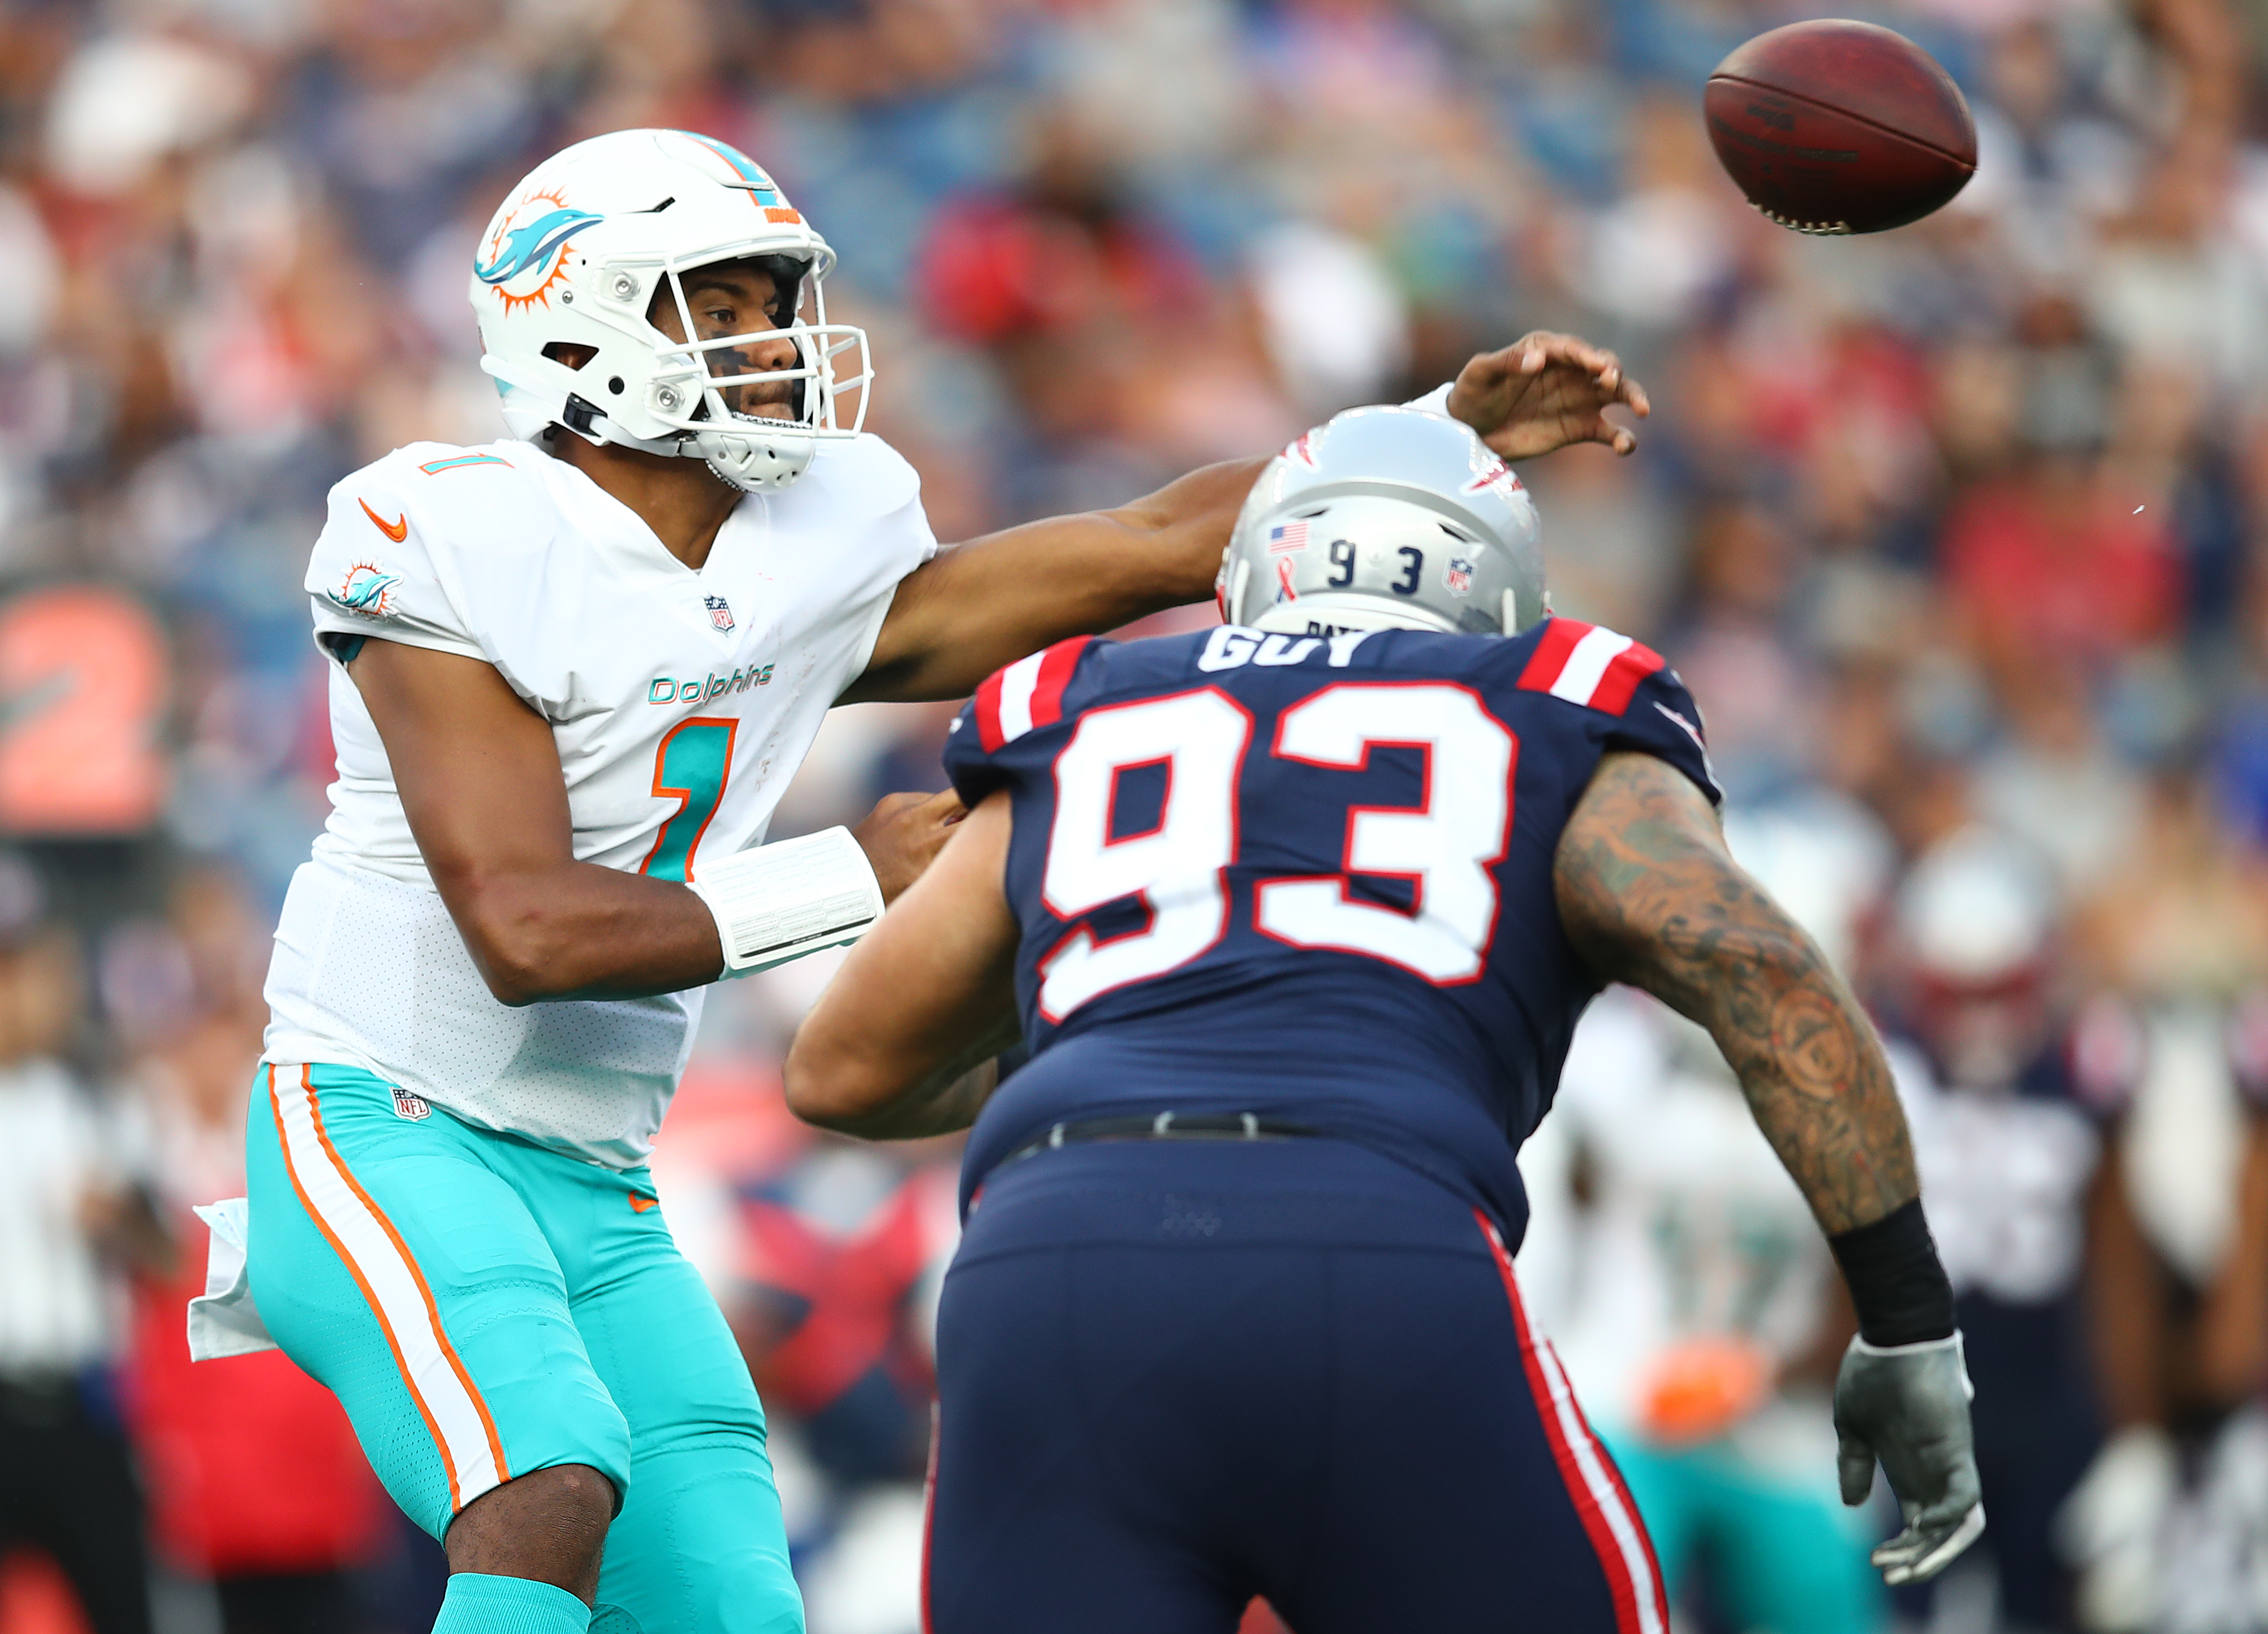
(76, 1219)
(574, 671)
(2169, 1526)
(1298, 917)
(1970, 977)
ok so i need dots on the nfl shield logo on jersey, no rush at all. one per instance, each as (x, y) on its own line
(1459, 578)
(719, 614)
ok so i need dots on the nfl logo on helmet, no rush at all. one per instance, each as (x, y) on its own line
(719, 614)
(1459, 578)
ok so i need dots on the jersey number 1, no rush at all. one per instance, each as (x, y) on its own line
(1444, 847)
(691, 767)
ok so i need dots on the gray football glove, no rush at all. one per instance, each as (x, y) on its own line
(1908, 1406)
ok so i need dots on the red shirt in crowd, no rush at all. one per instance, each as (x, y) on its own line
(2064, 562)
(250, 1465)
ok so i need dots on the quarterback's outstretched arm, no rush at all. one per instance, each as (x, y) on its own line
(479, 776)
(987, 603)
(1649, 895)
(900, 1045)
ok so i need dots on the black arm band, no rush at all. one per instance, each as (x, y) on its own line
(1896, 1281)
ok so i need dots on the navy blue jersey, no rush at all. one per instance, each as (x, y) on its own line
(1306, 877)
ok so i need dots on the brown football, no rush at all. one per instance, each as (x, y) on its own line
(1835, 126)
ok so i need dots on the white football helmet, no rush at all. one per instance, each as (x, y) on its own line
(573, 260)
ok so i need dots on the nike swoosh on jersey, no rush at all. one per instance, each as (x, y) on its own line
(640, 1203)
(397, 530)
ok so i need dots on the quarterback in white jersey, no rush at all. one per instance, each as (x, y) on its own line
(677, 732)
(574, 671)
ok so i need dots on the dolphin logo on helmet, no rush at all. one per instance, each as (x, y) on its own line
(530, 247)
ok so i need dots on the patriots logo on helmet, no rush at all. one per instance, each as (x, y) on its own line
(720, 614)
(367, 592)
(525, 256)
(1491, 475)
(1459, 578)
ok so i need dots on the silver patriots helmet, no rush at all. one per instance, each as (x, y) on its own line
(1385, 518)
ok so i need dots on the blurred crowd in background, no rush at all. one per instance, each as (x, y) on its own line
(1960, 536)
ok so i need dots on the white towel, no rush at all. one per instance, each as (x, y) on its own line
(223, 1321)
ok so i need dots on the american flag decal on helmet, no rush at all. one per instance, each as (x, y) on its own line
(720, 613)
(1287, 536)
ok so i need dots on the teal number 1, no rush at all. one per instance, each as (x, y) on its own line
(690, 767)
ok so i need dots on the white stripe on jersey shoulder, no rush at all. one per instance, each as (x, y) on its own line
(1018, 682)
(1586, 664)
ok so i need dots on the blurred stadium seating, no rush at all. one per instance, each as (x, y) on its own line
(1961, 528)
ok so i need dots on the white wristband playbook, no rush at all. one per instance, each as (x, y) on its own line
(779, 902)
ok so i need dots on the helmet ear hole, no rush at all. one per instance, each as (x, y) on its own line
(574, 354)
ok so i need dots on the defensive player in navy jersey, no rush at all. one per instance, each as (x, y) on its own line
(1296, 917)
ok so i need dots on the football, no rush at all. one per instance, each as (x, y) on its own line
(1835, 127)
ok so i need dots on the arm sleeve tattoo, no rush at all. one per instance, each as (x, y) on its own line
(1649, 895)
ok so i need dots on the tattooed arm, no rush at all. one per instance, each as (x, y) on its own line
(1650, 896)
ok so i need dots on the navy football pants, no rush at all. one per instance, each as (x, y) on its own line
(1175, 1374)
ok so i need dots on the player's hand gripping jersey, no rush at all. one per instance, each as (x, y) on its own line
(681, 702)
(1328, 860)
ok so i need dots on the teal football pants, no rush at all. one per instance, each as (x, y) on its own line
(1783, 1557)
(482, 1306)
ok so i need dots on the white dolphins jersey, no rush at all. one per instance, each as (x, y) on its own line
(1695, 1232)
(681, 702)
